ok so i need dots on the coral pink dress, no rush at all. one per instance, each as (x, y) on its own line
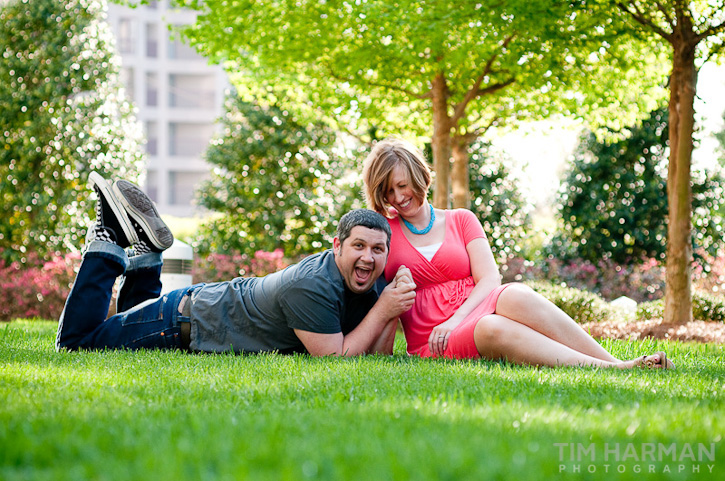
(443, 284)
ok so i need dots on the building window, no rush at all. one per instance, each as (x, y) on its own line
(182, 186)
(152, 89)
(127, 80)
(191, 91)
(125, 36)
(152, 185)
(152, 138)
(189, 139)
(152, 40)
(178, 50)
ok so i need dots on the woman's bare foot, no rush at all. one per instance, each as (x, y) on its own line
(657, 360)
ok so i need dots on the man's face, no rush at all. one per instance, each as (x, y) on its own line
(361, 258)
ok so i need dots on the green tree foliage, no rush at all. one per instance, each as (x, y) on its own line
(445, 70)
(277, 183)
(694, 31)
(614, 202)
(62, 114)
(498, 201)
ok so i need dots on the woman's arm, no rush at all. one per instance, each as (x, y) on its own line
(485, 275)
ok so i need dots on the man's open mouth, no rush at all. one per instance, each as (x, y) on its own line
(362, 274)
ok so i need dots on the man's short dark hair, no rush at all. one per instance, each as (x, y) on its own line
(365, 218)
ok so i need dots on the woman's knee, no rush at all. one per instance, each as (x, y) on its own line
(516, 290)
(490, 335)
(515, 298)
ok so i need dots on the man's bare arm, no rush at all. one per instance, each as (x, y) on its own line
(397, 298)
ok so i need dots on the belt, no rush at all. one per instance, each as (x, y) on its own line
(185, 335)
(185, 310)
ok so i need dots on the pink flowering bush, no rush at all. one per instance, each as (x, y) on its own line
(38, 288)
(217, 267)
(641, 282)
(709, 275)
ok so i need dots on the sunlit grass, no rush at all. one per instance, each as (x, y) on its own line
(169, 415)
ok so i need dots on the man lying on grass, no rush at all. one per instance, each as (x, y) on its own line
(334, 302)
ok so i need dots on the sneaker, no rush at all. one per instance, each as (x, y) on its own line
(97, 232)
(110, 214)
(152, 233)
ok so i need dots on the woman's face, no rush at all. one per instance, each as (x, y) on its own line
(400, 193)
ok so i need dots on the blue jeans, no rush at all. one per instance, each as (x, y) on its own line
(144, 319)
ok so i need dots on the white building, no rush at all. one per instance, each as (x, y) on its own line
(179, 96)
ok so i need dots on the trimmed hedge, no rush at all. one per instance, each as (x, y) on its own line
(705, 307)
(582, 306)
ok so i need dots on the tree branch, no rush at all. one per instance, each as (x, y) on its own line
(493, 88)
(713, 30)
(476, 132)
(640, 18)
(413, 94)
(346, 129)
(416, 95)
(664, 12)
(475, 90)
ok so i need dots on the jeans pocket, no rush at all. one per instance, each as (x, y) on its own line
(163, 339)
(148, 311)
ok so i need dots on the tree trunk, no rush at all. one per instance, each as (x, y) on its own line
(441, 141)
(459, 178)
(683, 81)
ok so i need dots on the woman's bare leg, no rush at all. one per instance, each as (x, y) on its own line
(498, 337)
(522, 304)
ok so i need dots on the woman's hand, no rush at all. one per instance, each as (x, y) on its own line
(398, 296)
(403, 276)
(485, 275)
(438, 340)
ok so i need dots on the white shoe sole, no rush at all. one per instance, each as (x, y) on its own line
(142, 209)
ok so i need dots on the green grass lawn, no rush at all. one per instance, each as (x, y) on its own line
(167, 415)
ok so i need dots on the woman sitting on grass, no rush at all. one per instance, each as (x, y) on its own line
(461, 309)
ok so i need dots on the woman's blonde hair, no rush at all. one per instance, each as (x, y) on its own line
(379, 164)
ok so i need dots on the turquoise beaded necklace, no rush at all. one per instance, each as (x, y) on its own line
(427, 229)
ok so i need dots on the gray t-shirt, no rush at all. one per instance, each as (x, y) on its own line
(258, 314)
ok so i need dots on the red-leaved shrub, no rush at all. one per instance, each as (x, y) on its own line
(38, 288)
(224, 267)
(641, 282)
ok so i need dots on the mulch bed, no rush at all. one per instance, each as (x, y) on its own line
(695, 331)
